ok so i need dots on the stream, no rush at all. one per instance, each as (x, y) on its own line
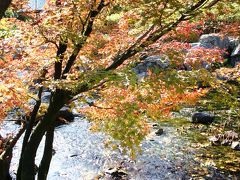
(80, 154)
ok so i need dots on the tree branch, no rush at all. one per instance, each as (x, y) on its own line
(89, 24)
(155, 35)
(92, 14)
(60, 55)
(151, 36)
(8, 150)
(71, 59)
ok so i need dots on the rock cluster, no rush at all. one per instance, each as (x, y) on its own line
(228, 138)
(229, 45)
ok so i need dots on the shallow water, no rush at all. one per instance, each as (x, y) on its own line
(80, 154)
(37, 4)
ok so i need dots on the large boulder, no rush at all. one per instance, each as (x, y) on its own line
(217, 41)
(230, 44)
(202, 118)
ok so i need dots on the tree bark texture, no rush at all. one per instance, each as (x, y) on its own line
(47, 155)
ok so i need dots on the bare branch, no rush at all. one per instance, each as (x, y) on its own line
(12, 143)
(89, 24)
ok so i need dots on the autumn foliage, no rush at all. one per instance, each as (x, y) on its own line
(75, 49)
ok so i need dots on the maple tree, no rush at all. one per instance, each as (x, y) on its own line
(89, 47)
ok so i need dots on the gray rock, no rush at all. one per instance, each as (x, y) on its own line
(214, 41)
(159, 132)
(65, 116)
(234, 42)
(232, 45)
(202, 118)
(210, 41)
(206, 65)
(151, 62)
(160, 61)
(235, 145)
(203, 63)
(226, 142)
(214, 140)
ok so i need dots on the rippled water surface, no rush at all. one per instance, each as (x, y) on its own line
(80, 154)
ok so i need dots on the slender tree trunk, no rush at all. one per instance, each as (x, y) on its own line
(47, 155)
(29, 127)
(29, 154)
(4, 168)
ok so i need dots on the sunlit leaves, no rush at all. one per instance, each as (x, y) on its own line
(127, 108)
(125, 104)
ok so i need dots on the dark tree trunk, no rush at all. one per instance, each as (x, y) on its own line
(47, 155)
(28, 161)
(6, 155)
(29, 127)
(4, 168)
(4, 4)
(5, 162)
